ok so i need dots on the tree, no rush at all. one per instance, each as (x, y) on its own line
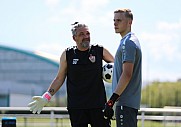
(160, 94)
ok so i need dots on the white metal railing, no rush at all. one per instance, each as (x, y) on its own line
(168, 113)
(51, 114)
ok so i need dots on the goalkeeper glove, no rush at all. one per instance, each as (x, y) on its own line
(39, 102)
(108, 111)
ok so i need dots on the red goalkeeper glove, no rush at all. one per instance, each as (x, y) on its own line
(108, 111)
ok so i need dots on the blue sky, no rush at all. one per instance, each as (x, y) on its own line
(44, 25)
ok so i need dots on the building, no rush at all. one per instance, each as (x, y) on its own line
(24, 74)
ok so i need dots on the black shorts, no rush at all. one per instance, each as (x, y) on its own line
(83, 117)
(126, 116)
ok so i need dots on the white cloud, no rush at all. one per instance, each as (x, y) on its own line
(161, 52)
(93, 5)
(169, 26)
(55, 48)
(52, 3)
(81, 10)
(159, 45)
(163, 44)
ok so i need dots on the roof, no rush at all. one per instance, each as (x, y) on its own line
(37, 54)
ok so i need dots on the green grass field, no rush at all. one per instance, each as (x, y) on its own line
(45, 122)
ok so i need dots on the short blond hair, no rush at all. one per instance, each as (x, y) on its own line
(127, 12)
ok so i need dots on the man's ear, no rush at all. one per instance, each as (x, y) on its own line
(73, 37)
(130, 22)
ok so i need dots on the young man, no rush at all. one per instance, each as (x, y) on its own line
(82, 66)
(127, 78)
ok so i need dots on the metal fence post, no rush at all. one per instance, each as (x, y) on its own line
(142, 118)
(52, 118)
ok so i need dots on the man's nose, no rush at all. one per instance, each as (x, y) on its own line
(86, 36)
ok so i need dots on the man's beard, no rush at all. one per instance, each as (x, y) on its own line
(85, 44)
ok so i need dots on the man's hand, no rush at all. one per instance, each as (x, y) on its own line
(108, 111)
(39, 102)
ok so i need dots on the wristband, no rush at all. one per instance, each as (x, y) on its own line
(113, 99)
(47, 96)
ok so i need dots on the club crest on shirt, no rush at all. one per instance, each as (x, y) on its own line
(75, 61)
(92, 58)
